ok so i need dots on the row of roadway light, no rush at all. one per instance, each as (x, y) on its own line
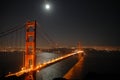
(45, 64)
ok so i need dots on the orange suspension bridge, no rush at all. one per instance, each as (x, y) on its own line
(30, 66)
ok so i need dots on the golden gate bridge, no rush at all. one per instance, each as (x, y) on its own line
(29, 41)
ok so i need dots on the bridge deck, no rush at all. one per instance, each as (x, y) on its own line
(43, 65)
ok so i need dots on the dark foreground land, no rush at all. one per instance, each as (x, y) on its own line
(98, 65)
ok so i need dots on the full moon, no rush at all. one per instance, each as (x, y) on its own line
(47, 6)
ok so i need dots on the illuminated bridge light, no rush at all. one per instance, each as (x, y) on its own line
(38, 71)
(23, 70)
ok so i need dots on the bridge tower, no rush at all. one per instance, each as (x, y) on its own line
(79, 46)
(30, 48)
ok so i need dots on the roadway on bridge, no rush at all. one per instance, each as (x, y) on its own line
(43, 65)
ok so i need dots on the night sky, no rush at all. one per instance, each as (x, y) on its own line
(92, 22)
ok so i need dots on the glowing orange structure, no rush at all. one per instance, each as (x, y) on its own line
(30, 51)
(79, 46)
